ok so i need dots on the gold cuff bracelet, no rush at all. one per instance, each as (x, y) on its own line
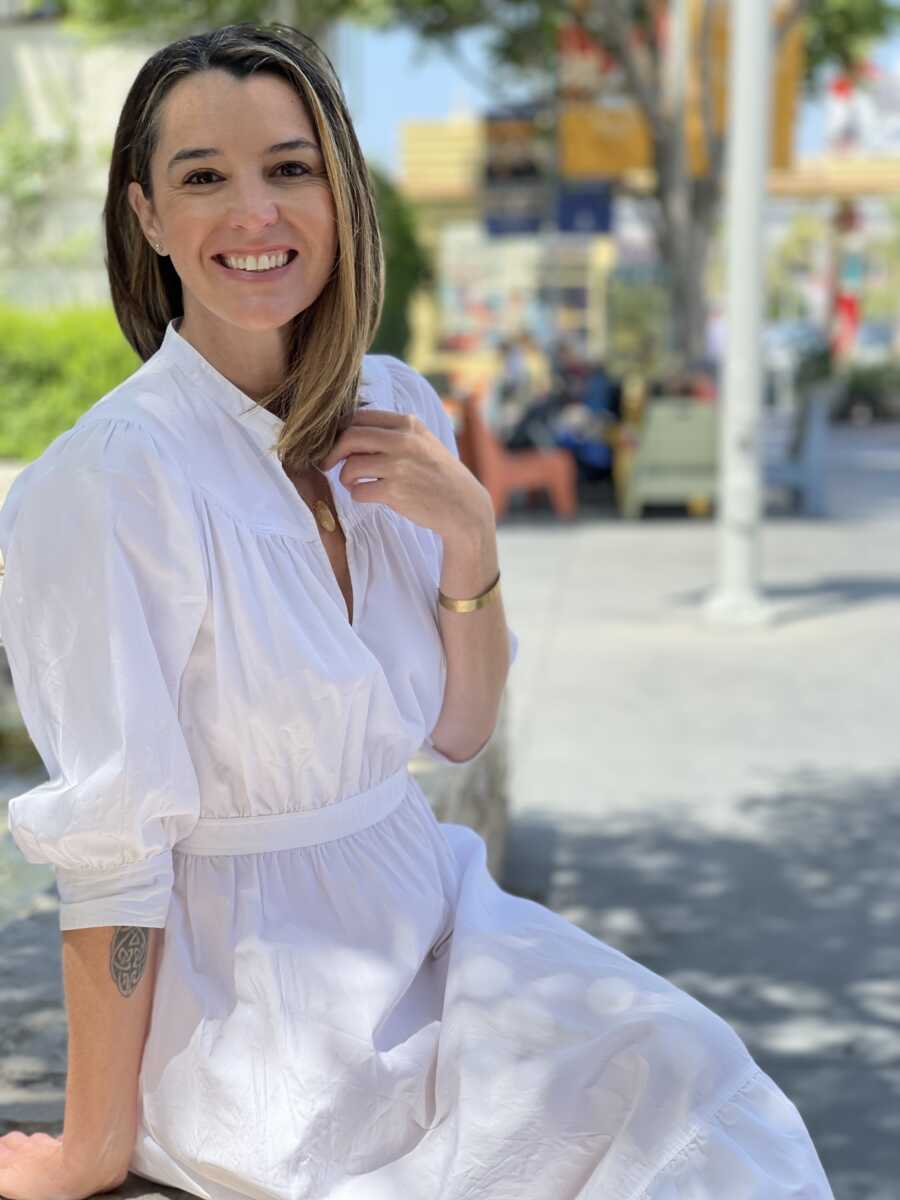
(475, 602)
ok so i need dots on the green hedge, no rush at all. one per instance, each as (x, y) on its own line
(53, 366)
(874, 383)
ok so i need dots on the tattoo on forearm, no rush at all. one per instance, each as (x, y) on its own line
(128, 954)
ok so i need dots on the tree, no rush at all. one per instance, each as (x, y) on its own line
(407, 266)
(796, 258)
(685, 209)
(32, 171)
(839, 32)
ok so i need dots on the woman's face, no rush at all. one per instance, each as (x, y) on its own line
(239, 197)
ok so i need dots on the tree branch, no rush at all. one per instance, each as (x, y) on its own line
(793, 12)
(488, 84)
(612, 22)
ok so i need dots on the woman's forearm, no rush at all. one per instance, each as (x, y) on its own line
(476, 643)
(108, 978)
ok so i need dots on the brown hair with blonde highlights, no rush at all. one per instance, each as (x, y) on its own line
(327, 340)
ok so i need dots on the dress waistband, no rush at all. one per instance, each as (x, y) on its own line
(283, 831)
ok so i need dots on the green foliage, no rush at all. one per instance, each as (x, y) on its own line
(166, 20)
(407, 266)
(53, 366)
(839, 32)
(814, 367)
(639, 324)
(881, 297)
(75, 250)
(29, 167)
(875, 389)
(791, 263)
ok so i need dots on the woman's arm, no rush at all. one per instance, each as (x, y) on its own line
(476, 643)
(108, 977)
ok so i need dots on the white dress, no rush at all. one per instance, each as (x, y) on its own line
(347, 1006)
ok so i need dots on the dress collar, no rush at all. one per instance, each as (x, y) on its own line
(265, 426)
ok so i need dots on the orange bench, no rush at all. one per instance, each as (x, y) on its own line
(503, 472)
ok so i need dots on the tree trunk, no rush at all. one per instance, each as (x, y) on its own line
(687, 217)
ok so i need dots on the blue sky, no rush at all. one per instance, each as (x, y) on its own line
(390, 77)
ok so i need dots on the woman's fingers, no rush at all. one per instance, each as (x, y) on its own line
(14, 1141)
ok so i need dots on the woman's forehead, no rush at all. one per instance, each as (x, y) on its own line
(258, 110)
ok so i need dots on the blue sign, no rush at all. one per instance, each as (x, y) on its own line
(584, 207)
(514, 208)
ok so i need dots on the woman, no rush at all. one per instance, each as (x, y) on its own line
(235, 603)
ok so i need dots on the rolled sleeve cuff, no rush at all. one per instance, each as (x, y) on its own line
(136, 894)
(428, 750)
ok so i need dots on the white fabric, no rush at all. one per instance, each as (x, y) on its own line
(347, 1006)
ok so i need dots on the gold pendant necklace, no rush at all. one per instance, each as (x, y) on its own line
(324, 516)
(320, 509)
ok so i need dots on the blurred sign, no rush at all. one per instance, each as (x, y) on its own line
(604, 133)
(514, 196)
(487, 286)
(584, 207)
(606, 141)
(511, 209)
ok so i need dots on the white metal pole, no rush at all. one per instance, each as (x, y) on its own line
(736, 598)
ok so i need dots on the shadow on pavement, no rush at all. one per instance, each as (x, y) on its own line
(790, 936)
(803, 603)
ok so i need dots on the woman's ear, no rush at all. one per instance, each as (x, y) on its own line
(142, 209)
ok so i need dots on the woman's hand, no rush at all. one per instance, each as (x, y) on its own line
(36, 1168)
(415, 474)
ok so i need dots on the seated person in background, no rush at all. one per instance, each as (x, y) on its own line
(512, 392)
(577, 406)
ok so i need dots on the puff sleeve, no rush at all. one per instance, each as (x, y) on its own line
(104, 591)
(413, 393)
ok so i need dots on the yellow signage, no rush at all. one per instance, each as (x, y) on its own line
(608, 139)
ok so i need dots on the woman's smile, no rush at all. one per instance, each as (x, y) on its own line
(269, 275)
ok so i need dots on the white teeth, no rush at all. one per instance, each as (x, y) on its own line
(265, 262)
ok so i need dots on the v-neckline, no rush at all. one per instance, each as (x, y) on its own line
(349, 615)
(265, 428)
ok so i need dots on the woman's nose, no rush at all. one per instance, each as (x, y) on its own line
(252, 204)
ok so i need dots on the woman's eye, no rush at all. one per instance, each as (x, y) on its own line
(304, 170)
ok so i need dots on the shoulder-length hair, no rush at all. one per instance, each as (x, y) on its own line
(329, 338)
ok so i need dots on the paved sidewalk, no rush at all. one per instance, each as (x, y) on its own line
(722, 806)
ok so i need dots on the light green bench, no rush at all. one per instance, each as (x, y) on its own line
(676, 457)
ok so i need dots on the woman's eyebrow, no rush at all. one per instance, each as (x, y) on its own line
(209, 152)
